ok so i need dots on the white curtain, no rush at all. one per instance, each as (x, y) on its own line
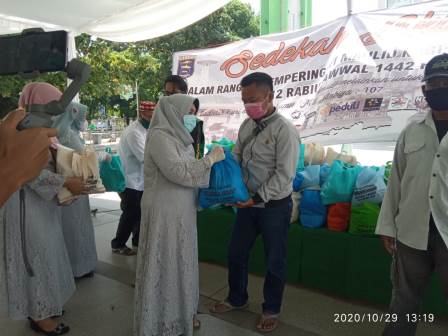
(114, 20)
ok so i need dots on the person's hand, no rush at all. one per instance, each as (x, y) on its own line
(216, 155)
(23, 153)
(248, 204)
(389, 244)
(104, 157)
(75, 185)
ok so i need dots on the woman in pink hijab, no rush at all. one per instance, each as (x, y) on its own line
(39, 93)
(37, 276)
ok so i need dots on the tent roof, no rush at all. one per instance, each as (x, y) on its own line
(115, 20)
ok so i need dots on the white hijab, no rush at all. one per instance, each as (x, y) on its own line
(169, 114)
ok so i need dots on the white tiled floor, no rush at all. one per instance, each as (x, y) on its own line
(103, 306)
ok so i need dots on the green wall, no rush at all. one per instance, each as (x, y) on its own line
(275, 18)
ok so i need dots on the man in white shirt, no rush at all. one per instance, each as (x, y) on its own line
(413, 222)
(132, 152)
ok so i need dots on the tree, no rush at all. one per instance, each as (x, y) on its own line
(11, 86)
(233, 22)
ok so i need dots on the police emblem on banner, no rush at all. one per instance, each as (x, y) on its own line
(186, 66)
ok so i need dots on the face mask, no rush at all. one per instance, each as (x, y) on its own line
(190, 122)
(437, 99)
(255, 110)
(145, 123)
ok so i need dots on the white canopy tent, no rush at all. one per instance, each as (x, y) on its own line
(114, 20)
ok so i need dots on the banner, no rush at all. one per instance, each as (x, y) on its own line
(354, 80)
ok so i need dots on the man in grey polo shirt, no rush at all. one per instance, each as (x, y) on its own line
(413, 221)
(267, 148)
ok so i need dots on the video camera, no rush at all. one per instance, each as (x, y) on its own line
(34, 52)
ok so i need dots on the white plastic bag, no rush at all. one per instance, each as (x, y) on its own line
(85, 165)
(333, 155)
(314, 154)
(72, 164)
(296, 196)
(64, 157)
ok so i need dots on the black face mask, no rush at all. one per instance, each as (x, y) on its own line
(145, 123)
(437, 99)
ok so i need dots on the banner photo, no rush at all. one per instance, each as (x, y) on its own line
(357, 79)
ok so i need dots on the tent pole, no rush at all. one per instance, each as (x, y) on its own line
(137, 98)
(349, 7)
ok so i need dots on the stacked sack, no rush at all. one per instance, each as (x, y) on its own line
(307, 203)
(367, 198)
(335, 190)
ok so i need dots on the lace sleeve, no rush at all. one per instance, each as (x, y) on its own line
(186, 172)
(47, 184)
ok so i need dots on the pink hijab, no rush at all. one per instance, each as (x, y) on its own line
(38, 93)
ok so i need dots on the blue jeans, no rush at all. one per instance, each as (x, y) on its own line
(273, 225)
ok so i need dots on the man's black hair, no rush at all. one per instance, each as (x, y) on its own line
(260, 79)
(178, 81)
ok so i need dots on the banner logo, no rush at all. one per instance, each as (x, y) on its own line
(186, 66)
(373, 104)
(351, 106)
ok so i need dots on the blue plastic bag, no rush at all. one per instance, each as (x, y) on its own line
(297, 182)
(370, 186)
(324, 172)
(112, 174)
(313, 213)
(226, 184)
(340, 184)
(311, 177)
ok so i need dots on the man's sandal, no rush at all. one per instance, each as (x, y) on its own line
(196, 324)
(267, 323)
(225, 307)
(124, 251)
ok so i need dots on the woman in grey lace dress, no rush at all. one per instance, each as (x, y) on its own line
(35, 271)
(77, 222)
(40, 290)
(167, 285)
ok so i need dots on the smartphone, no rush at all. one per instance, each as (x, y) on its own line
(33, 51)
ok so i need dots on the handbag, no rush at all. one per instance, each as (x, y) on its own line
(112, 173)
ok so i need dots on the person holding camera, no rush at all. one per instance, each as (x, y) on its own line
(23, 154)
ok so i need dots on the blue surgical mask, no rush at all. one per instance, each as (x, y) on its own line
(190, 122)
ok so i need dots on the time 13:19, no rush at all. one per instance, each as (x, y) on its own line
(425, 318)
